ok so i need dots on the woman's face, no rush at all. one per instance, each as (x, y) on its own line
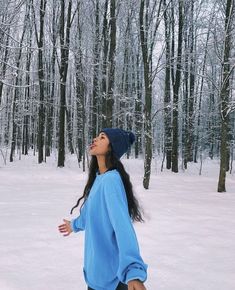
(100, 145)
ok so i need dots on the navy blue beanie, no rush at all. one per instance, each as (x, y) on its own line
(120, 139)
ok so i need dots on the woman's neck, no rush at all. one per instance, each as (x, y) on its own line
(101, 164)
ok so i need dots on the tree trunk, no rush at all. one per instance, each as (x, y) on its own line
(111, 64)
(148, 97)
(138, 109)
(95, 99)
(80, 97)
(191, 87)
(69, 119)
(50, 109)
(4, 67)
(176, 87)
(64, 49)
(167, 91)
(224, 95)
(16, 95)
(104, 68)
(41, 112)
(25, 141)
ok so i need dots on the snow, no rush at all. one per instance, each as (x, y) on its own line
(187, 238)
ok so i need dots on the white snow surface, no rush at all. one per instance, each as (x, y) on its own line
(187, 240)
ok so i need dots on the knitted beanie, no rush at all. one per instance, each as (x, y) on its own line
(120, 139)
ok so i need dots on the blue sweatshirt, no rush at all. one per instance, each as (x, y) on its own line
(111, 252)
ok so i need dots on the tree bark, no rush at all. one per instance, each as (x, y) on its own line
(51, 101)
(16, 94)
(176, 87)
(104, 67)
(111, 64)
(148, 94)
(41, 112)
(95, 92)
(224, 95)
(64, 50)
(167, 91)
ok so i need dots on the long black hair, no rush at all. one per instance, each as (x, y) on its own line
(112, 162)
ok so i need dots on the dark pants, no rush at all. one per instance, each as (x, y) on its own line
(120, 286)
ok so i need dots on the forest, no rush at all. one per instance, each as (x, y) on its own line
(161, 68)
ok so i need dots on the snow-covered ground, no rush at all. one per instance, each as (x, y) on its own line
(188, 239)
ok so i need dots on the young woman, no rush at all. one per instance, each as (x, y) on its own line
(112, 258)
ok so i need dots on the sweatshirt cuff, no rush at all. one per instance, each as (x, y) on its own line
(136, 274)
(74, 229)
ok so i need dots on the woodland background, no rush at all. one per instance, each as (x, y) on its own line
(161, 68)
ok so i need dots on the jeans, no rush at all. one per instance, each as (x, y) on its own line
(120, 286)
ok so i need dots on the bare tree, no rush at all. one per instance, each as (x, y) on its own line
(225, 93)
(64, 51)
(40, 43)
(111, 64)
(15, 101)
(167, 89)
(147, 41)
(96, 52)
(176, 87)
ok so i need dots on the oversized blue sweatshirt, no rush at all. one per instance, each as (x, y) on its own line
(111, 252)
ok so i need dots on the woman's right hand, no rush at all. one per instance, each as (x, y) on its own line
(65, 228)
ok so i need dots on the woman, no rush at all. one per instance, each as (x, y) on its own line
(111, 257)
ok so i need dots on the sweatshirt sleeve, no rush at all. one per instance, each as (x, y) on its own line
(131, 265)
(78, 224)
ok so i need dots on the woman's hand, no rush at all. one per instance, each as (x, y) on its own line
(65, 228)
(136, 285)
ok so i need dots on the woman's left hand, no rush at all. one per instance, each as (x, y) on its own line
(136, 285)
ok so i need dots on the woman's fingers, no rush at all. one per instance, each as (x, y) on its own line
(67, 234)
(62, 227)
(65, 228)
(136, 285)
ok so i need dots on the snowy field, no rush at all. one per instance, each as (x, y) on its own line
(188, 239)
